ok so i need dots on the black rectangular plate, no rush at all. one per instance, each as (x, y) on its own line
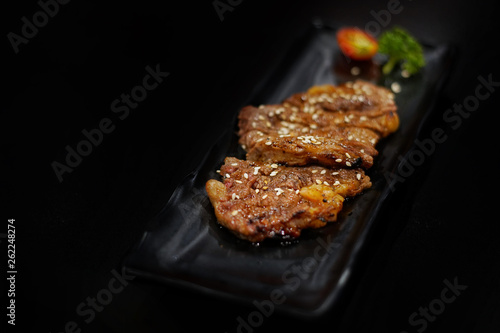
(184, 244)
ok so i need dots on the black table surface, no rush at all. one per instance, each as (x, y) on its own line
(431, 263)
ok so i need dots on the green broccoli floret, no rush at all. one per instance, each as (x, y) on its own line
(402, 48)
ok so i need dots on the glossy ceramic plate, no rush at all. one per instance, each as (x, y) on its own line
(185, 245)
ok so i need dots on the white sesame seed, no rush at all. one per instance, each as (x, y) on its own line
(239, 181)
(335, 173)
(314, 171)
(348, 163)
(218, 171)
(336, 183)
(234, 212)
(274, 173)
(347, 154)
(257, 190)
(256, 170)
(234, 164)
(245, 175)
(268, 143)
(326, 183)
(355, 70)
(396, 87)
(338, 160)
(283, 131)
(227, 175)
(358, 176)
(274, 165)
(323, 172)
(264, 196)
(297, 191)
(318, 181)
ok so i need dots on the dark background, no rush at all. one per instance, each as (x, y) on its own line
(441, 224)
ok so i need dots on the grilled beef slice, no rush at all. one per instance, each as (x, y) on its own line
(260, 200)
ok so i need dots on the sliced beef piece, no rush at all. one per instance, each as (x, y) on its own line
(269, 137)
(359, 104)
(261, 200)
